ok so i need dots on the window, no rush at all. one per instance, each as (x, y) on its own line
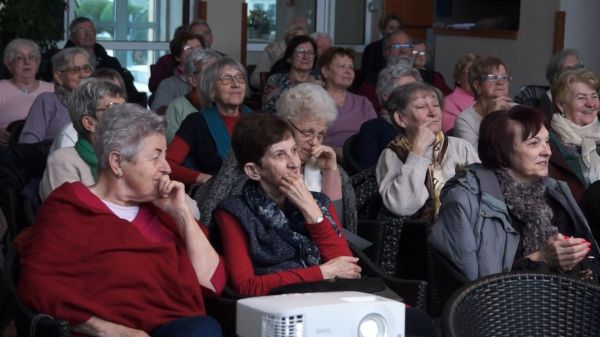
(268, 20)
(134, 31)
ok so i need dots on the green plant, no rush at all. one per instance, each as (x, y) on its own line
(38, 20)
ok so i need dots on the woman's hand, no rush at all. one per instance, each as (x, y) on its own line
(500, 103)
(423, 139)
(297, 193)
(341, 266)
(203, 178)
(325, 156)
(171, 196)
(562, 252)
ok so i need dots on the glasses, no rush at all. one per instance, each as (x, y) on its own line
(86, 69)
(419, 53)
(22, 58)
(304, 52)
(309, 133)
(400, 46)
(82, 31)
(228, 79)
(497, 78)
(574, 66)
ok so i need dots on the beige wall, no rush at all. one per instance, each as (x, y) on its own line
(581, 30)
(225, 20)
(526, 56)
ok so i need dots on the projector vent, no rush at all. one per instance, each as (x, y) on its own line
(283, 326)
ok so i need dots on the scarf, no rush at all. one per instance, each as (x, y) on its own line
(527, 202)
(434, 179)
(584, 137)
(277, 238)
(85, 150)
(218, 130)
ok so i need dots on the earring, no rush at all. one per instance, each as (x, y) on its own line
(119, 174)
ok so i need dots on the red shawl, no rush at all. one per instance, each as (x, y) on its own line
(80, 260)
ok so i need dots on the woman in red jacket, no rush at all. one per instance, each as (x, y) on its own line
(277, 232)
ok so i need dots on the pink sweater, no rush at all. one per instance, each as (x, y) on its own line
(15, 104)
(454, 103)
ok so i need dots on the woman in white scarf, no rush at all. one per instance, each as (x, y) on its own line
(576, 129)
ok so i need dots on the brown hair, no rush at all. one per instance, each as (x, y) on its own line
(254, 133)
(482, 67)
(327, 57)
(498, 130)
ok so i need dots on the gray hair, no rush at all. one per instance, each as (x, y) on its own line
(386, 80)
(9, 51)
(556, 62)
(198, 55)
(317, 35)
(402, 96)
(122, 129)
(306, 101)
(60, 60)
(209, 76)
(85, 97)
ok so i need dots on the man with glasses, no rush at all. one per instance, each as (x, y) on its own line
(373, 59)
(83, 34)
(397, 49)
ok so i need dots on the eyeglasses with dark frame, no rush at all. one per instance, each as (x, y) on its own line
(86, 69)
(228, 79)
(308, 133)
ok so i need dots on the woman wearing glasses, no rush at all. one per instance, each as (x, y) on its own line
(49, 112)
(489, 79)
(309, 110)
(204, 138)
(337, 69)
(300, 57)
(22, 59)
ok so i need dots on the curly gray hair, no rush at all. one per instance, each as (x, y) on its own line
(122, 129)
(199, 55)
(306, 101)
(386, 80)
(9, 51)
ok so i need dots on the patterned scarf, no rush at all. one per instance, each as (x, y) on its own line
(277, 238)
(434, 180)
(527, 202)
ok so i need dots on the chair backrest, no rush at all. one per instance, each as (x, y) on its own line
(530, 95)
(28, 322)
(350, 164)
(524, 304)
(444, 279)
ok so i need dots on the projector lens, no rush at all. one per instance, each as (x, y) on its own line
(372, 325)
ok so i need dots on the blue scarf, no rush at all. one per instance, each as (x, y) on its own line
(218, 130)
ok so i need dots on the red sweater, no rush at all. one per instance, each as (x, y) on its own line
(80, 260)
(239, 265)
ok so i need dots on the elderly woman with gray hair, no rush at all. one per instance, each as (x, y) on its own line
(136, 229)
(194, 100)
(376, 134)
(87, 106)
(49, 112)
(413, 169)
(203, 140)
(309, 110)
(22, 59)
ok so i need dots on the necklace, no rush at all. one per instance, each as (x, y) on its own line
(26, 89)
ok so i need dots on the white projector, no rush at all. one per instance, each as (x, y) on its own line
(335, 314)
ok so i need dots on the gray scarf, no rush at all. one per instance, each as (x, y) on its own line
(527, 202)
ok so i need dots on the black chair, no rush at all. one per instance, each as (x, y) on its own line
(444, 279)
(530, 95)
(350, 164)
(28, 322)
(524, 304)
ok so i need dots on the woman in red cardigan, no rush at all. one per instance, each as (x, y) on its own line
(124, 257)
(277, 232)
